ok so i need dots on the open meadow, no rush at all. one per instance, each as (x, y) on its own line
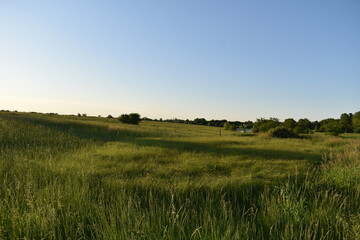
(68, 177)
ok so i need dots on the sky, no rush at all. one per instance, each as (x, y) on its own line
(235, 60)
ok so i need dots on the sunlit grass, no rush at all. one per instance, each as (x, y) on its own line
(65, 177)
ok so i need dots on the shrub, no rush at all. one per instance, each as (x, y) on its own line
(289, 123)
(346, 122)
(302, 126)
(356, 122)
(229, 126)
(333, 127)
(132, 118)
(264, 125)
(281, 132)
(200, 121)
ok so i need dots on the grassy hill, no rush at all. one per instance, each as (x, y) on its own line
(66, 177)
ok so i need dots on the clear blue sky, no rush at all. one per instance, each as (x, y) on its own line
(235, 60)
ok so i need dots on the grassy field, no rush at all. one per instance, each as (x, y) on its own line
(66, 177)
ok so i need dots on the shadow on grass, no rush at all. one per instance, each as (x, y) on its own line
(253, 153)
(89, 131)
(102, 133)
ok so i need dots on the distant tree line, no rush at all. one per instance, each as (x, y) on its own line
(347, 123)
(214, 123)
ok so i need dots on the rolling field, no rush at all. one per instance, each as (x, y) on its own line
(64, 177)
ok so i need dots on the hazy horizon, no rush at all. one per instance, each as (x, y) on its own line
(234, 60)
(58, 103)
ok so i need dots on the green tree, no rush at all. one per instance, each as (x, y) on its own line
(315, 126)
(244, 127)
(132, 118)
(346, 123)
(302, 126)
(200, 121)
(333, 127)
(356, 122)
(282, 132)
(323, 124)
(229, 126)
(264, 125)
(289, 123)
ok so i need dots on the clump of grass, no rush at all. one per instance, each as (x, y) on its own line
(324, 205)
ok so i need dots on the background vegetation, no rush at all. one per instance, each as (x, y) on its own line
(132, 118)
(347, 123)
(69, 177)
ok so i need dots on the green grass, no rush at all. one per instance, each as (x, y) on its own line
(64, 177)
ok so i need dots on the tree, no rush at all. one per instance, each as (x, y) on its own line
(356, 122)
(302, 126)
(315, 126)
(200, 121)
(333, 127)
(244, 127)
(282, 132)
(132, 118)
(229, 126)
(289, 123)
(248, 124)
(346, 123)
(264, 125)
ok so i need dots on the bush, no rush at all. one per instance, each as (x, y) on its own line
(356, 122)
(229, 126)
(302, 126)
(200, 121)
(333, 127)
(281, 132)
(264, 125)
(132, 118)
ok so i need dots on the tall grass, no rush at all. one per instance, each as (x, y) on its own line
(68, 178)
